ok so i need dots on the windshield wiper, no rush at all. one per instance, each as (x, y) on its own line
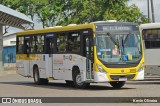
(122, 45)
(112, 39)
(126, 38)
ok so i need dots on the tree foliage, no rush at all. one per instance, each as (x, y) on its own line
(64, 12)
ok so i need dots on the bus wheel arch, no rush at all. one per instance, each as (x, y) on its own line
(36, 76)
(77, 78)
(75, 68)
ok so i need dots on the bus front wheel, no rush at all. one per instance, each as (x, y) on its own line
(37, 79)
(117, 84)
(78, 83)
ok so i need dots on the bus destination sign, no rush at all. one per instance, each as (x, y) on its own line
(116, 28)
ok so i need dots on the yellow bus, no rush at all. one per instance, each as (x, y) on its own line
(82, 54)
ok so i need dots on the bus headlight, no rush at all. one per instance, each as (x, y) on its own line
(101, 69)
(141, 68)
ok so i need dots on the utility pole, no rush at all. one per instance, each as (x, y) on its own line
(148, 11)
(152, 9)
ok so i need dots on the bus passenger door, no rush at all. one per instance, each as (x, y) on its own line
(26, 61)
(49, 46)
(88, 53)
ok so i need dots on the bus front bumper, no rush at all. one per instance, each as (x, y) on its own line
(103, 77)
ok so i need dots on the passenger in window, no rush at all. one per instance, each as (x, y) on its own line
(25, 48)
(115, 50)
(62, 46)
(70, 46)
(35, 48)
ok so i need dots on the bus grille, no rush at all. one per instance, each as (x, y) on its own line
(116, 77)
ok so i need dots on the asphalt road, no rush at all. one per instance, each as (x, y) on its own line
(13, 85)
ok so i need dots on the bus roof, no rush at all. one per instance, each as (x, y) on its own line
(113, 23)
(55, 29)
(150, 26)
(72, 27)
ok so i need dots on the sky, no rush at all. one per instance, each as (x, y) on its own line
(142, 4)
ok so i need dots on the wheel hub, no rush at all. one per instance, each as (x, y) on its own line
(79, 80)
(36, 76)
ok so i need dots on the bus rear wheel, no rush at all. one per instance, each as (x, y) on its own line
(37, 79)
(78, 83)
(117, 84)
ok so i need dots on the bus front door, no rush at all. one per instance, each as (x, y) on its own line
(88, 53)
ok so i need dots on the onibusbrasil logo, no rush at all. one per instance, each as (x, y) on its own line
(21, 100)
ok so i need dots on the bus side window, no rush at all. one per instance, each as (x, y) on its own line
(40, 43)
(49, 43)
(74, 42)
(26, 46)
(61, 42)
(35, 48)
(152, 39)
(32, 44)
(20, 44)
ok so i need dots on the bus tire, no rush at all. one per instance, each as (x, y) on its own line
(77, 80)
(37, 79)
(117, 84)
(70, 83)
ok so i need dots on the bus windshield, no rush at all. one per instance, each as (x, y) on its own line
(118, 47)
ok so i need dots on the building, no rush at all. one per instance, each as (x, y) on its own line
(9, 50)
(10, 17)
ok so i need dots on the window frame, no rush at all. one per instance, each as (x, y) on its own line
(17, 45)
(81, 34)
(79, 31)
(153, 39)
(31, 37)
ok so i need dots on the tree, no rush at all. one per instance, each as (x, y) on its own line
(50, 12)
(64, 12)
(81, 11)
(125, 13)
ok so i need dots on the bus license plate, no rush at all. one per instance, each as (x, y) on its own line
(123, 79)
